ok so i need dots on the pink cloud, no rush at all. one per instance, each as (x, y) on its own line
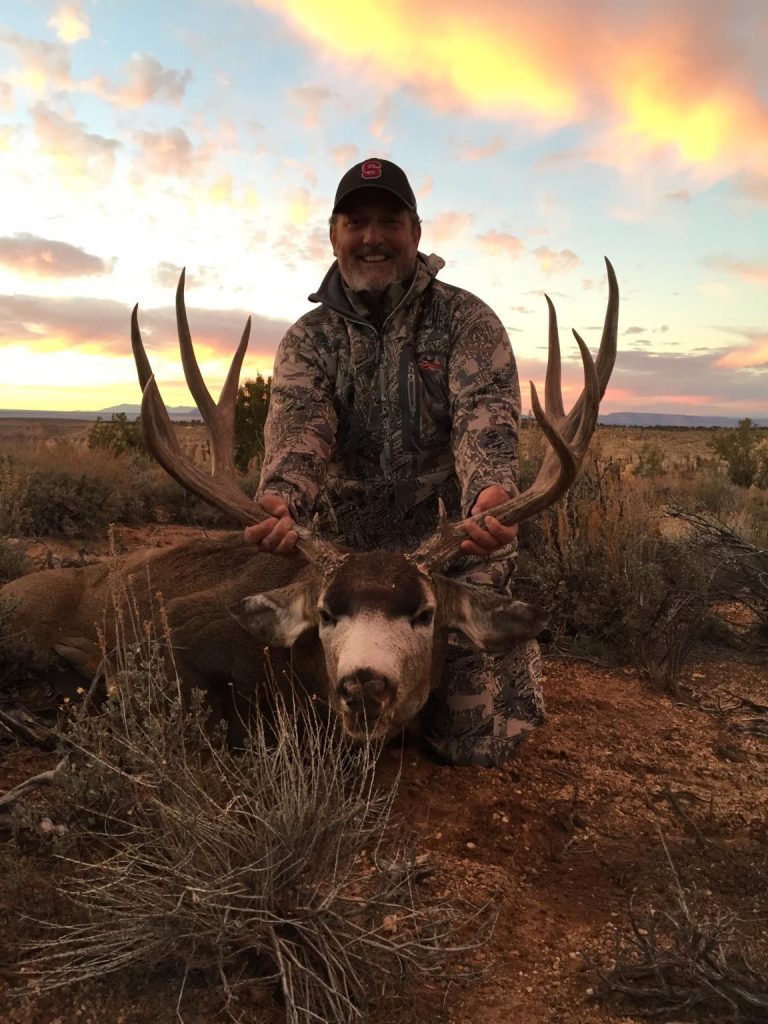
(40, 64)
(499, 243)
(43, 257)
(556, 262)
(447, 226)
(755, 354)
(344, 156)
(166, 153)
(75, 151)
(473, 153)
(100, 325)
(381, 115)
(753, 186)
(312, 100)
(146, 81)
(755, 273)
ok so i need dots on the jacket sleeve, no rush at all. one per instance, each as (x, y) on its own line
(485, 401)
(301, 424)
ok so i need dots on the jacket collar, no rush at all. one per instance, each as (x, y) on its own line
(331, 291)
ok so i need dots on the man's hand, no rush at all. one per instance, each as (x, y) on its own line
(277, 534)
(484, 540)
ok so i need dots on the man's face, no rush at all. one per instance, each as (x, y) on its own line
(375, 240)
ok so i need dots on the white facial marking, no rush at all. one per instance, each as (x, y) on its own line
(390, 647)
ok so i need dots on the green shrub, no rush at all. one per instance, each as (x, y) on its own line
(250, 415)
(120, 436)
(14, 515)
(13, 561)
(742, 448)
(650, 460)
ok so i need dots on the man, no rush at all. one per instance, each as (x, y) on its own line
(399, 390)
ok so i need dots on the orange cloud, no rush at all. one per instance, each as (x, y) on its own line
(755, 354)
(663, 84)
(298, 204)
(70, 23)
(455, 53)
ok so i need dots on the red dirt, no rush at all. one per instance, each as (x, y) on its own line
(558, 842)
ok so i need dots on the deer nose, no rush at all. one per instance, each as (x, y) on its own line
(366, 691)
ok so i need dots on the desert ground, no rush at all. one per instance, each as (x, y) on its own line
(624, 850)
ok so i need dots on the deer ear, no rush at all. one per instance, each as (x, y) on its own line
(493, 622)
(279, 617)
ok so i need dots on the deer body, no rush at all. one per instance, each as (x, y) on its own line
(368, 637)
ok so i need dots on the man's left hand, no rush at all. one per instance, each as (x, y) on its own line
(484, 540)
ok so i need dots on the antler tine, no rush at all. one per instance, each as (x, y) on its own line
(553, 393)
(220, 488)
(569, 438)
(160, 439)
(228, 396)
(218, 418)
(139, 355)
(606, 354)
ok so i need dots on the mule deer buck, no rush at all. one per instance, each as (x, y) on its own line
(365, 631)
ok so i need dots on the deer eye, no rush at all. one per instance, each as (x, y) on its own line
(325, 617)
(424, 618)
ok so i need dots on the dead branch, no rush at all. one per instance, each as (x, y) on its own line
(49, 778)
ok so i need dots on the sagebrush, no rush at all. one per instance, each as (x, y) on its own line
(279, 864)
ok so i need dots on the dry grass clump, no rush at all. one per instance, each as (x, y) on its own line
(738, 566)
(72, 490)
(680, 962)
(624, 581)
(278, 865)
(619, 588)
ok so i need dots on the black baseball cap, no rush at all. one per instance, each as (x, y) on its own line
(375, 173)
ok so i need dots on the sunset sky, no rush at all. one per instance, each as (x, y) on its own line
(137, 138)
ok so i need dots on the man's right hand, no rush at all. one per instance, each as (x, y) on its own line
(276, 534)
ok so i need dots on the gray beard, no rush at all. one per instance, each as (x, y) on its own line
(377, 305)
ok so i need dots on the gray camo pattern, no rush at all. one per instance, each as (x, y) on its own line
(368, 426)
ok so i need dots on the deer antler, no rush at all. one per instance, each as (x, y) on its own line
(220, 488)
(568, 435)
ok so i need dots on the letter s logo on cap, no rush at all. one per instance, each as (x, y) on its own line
(370, 169)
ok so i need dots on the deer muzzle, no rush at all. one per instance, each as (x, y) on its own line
(366, 699)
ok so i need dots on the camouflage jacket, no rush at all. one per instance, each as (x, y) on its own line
(366, 425)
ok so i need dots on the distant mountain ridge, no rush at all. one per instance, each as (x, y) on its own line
(176, 412)
(672, 419)
(189, 412)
